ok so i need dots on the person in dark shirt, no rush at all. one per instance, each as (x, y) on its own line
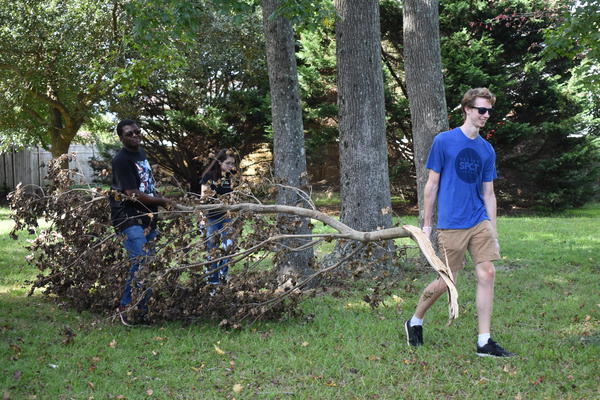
(134, 204)
(216, 181)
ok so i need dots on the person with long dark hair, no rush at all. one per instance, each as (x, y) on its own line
(217, 181)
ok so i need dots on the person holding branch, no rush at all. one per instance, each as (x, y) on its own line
(461, 179)
(134, 203)
(217, 181)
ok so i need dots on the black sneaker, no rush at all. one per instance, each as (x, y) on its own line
(493, 349)
(414, 334)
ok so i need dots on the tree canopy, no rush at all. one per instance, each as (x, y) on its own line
(56, 63)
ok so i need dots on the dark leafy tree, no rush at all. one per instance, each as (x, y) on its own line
(543, 112)
(217, 97)
(538, 130)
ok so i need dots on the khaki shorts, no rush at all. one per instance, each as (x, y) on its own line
(479, 240)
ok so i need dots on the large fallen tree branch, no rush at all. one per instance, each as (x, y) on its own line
(345, 232)
(81, 258)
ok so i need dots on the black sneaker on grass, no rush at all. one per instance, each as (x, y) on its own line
(493, 349)
(414, 334)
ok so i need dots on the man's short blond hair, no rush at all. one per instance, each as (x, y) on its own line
(468, 99)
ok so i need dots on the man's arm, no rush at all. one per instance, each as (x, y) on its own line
(430, 195)
(204, 190)
(489, 200)
(148, 200)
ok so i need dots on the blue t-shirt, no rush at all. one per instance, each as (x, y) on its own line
(463, 164)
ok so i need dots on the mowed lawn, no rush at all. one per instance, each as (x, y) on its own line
(547, 310)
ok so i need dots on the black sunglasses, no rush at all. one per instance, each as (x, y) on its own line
(136, 132)
(482, 110)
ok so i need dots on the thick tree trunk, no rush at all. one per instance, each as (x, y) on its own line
(61, 135)
(288, 136)
(424, 82)
(364, 175)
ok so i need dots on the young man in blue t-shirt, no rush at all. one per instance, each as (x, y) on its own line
(461, 178)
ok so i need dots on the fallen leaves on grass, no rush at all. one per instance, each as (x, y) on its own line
(512, 371)
(218, 350)
(198, 368)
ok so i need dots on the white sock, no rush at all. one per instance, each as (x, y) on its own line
(482, 339)
(414, 321)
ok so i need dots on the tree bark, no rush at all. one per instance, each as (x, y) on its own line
(424, 82)
(288, 136)
(364, 175)
(61, 133)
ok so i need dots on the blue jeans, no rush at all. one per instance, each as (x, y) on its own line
(134, 243)
(217, 235)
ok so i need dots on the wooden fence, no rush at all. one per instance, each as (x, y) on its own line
(30, 166)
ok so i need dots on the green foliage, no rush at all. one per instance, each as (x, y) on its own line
(307, 14)
(577, 37)
(157, 31)
(216, 97)
(539, 111)
(56, 63)
(303, 14)
(317, 80)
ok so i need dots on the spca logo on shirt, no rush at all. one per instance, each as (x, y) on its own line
(468, 165)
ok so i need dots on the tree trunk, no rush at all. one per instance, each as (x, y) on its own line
(288, 136)
(364, 175)
(424, 83)
(61, 135)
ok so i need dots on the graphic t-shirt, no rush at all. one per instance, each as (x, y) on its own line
(221, 186)
(130, 171)
(463, 164)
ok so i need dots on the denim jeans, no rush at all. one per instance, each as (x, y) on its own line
(218, 235)
(134, 243)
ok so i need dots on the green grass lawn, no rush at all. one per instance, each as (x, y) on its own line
(547, 310)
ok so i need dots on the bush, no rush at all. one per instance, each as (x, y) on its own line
(545, 167)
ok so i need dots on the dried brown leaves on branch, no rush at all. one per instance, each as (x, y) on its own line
(81, 260)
